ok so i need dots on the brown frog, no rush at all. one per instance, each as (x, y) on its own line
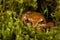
(36, 19)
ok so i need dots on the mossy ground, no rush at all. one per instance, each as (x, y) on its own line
(12, 28)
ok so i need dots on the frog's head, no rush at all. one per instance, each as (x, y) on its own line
(35, 18)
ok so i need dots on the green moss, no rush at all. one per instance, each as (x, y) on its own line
(12, 28)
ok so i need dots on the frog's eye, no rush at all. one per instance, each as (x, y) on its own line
(41, 22)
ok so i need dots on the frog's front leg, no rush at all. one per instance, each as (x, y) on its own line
(24, 18)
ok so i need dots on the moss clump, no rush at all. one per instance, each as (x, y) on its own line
(12, 28)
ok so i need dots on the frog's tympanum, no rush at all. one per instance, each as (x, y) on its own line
(35, 18)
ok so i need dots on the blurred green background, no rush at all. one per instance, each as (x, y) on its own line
(11, 27)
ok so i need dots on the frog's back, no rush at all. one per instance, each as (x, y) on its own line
(35, 16)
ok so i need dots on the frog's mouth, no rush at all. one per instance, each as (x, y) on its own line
(42, 25)
(39, 25)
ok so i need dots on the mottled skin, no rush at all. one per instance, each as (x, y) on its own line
(35, 18)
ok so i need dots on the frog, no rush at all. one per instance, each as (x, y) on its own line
(36, 19)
